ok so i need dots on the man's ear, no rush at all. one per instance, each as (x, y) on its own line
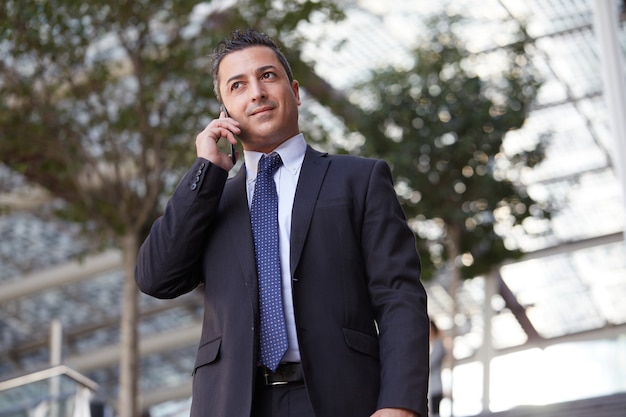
(295, 86)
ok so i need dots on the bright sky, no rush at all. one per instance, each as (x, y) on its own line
(534, 377)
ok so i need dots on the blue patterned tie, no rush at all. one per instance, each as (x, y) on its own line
(264, 217)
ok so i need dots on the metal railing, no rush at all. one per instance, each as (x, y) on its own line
(58, 391)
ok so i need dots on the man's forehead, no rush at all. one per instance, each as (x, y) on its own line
(244, 60)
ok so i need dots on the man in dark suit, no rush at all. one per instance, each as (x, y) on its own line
(353, 310)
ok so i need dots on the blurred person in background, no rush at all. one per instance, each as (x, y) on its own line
(437, 355)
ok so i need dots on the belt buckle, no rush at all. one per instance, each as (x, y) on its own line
(269, 381)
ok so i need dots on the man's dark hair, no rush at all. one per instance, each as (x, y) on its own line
(239, 40)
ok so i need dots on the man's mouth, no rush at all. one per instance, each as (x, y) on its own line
(260, 110)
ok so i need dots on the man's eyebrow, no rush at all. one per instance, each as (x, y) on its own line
(233, 78)
(258, 71)
(265, 68)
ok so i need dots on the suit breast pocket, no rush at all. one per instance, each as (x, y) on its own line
(335, 212)
(337, 223)
(333, 202)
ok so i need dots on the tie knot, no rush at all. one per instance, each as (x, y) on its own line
(268, 164)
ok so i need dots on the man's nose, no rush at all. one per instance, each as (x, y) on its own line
(257, 91)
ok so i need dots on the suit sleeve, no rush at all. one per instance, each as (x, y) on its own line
(168, 260)
(398, 296)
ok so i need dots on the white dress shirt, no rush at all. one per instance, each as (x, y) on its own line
(292, 154)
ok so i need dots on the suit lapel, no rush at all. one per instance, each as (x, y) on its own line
(312, 175)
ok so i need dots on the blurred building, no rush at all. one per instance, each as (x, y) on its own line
(549, 328)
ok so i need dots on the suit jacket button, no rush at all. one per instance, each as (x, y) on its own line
(193, 186)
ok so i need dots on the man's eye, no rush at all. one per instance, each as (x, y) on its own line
(268, 75)
(235, 86)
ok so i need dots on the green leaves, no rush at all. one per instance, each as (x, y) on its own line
(441, 126)
(101, 102)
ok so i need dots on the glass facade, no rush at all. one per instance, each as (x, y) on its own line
(568, 288)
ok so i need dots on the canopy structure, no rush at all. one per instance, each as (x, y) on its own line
(568, 289)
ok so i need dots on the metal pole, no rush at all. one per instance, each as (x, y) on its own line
(606, 28)
(56, 346)
(56, 342)
(487, 346)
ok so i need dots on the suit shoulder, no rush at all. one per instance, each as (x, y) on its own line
(354, 163)
(355, 159)
(360, 163)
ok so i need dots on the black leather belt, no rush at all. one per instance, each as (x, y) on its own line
(286, 373)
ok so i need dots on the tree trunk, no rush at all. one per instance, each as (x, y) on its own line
(128, 404)
(453, 245)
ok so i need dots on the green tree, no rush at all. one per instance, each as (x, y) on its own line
(441, 127)
(100, 103)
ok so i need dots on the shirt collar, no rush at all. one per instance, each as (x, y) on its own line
(291, 152)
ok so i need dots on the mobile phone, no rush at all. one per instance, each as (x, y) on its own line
(233, 149)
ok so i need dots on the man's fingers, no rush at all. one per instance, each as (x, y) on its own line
(216, 132)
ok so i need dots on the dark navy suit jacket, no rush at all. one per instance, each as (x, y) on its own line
(360, 308)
